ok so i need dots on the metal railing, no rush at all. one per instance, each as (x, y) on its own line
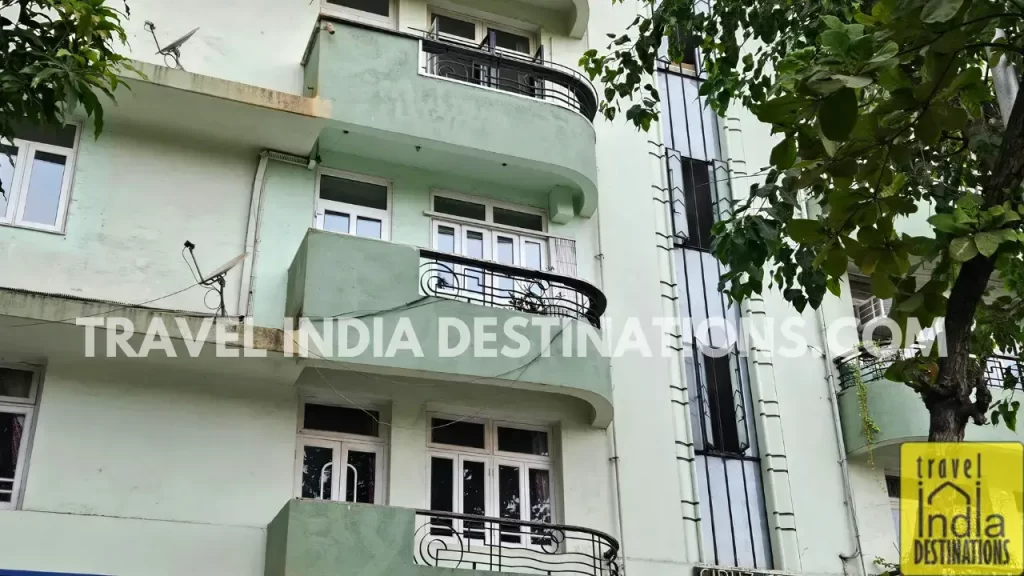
(487, 65)
(449, 540)
(872, 367)
(500, 286)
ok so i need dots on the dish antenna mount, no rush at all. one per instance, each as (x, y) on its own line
(215, 280)
(172, 50)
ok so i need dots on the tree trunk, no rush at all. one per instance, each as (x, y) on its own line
(948, 422)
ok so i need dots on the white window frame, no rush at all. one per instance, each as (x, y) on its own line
(492, 458)
(16, 196)
(341, 443)
(25, 407)
(346, 13)
(481, 25)
(489, 206)
(354, 211)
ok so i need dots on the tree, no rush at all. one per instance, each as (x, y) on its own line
(55, 55)
(883, 107)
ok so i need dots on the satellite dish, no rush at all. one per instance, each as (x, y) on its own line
(172, 50)
(222, 270)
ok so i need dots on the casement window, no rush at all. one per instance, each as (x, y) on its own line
(892, 487)
(340, 454)
(490, 468)
(19, 388)
(486, 36)
(376, 12)
(353, 204)
(510, 242)
(867, 306)
(36, 169)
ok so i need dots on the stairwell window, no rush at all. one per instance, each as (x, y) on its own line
(19, 387)
(353, 204)
(340, 454)
(376, 12)
(490, 468)
(36, 169)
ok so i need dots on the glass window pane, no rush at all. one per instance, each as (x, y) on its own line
(474, 244)
(8, 156)
(509, 502)
(532, 255)
(473, 498)
(361, 477)
(540, 495)
(369, 228)
(758, 517)
(455, 27)
(353, 192)
(518, 219)
(442, 490)
(461, 208)
(446, 239)
(539, 486)
(15, 383)
(699, 198)
(12, 427)
(510, 41)
(54, 135)
(45, 181)
(336, 222)
(469, 434)
(720, 513)
(523, 441)
(506, 250)
(740, 511)
(379, 7)
(339, 419)
(317, 462)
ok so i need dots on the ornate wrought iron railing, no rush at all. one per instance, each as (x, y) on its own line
(510, 287)
(1000, 371)
(487, 65)
(449, 540)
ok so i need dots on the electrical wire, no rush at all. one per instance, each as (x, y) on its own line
(116, 308)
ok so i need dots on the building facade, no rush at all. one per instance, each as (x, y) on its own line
(416, 166)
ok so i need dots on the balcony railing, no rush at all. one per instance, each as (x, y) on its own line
(499, 286)
(873, 367)
(487, 65)
(448, 540)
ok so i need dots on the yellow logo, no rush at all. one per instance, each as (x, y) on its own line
(960, 510)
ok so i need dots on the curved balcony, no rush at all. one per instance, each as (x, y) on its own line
(398, 288)
(448, 540)
(467, 110)
(897, 410)
(510, 287)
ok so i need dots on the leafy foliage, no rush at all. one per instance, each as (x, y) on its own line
(58, 54)
(883, 108)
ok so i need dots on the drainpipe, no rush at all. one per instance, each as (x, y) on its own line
(812, 211)
(252, 232)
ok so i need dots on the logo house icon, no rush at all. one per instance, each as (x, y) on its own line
(954, 517)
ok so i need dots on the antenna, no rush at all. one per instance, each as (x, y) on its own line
(215, 280)
(172, 50)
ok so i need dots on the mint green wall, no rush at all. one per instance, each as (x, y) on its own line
(377, 89)
(339, 274)
(289, 204)
(316, 538)
(901, 417)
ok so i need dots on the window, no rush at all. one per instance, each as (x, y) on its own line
(487, 36)
(335, 438)
(892, 486)
(378, 12)
(866, 306)
(19, 384)
(35, 170)
(353, 204)
(489, 468)
(510, 242)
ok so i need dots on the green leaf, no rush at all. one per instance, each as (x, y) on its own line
(854, 81)
(940, 10)
(988, 242)
(962, 249)
(804, 231)
(882, 285)
(838, 115)
(784, 154)
(836, 41)
(833, 23)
